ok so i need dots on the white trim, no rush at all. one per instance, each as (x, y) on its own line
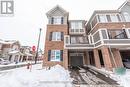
(101, 37)
(89, 39)
(127, 32)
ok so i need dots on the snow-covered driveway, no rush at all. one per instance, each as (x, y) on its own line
(57, 76)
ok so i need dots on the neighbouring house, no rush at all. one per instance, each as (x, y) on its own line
(27, 53)
(10, 50)
(102, 41)
(14, 52)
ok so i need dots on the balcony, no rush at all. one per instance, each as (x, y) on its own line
(76, 42)
(112, 37)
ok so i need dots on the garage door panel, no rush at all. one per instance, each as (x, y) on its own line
(76, 61)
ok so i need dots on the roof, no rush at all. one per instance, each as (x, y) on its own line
(57, 7)
(15, 52)
(8, 41)
(127, 1)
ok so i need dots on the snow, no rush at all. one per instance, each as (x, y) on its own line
(57, 76)
(123, 80)
(19, 63)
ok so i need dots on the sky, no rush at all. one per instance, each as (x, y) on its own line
(30, 16)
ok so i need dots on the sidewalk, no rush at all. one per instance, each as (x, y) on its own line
(13, 65)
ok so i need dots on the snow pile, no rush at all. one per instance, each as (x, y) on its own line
(57, 76)
(123, 80)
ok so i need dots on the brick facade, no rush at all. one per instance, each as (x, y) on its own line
(96, 33)
(54, 45)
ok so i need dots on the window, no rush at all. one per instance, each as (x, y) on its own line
(102, 18)
(57, 36)
(81, 39)
(55, 55)
(57, 20)
(76, 25)
(126, 16)
(78, 40)
(73, 40)
(114, 18)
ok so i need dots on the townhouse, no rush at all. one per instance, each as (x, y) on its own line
(14, 52)
(103, 41)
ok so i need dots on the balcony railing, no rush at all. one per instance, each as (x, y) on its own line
(76, 31)
(117, 34)
(115, 37)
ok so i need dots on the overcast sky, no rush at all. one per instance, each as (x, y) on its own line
(30, 15)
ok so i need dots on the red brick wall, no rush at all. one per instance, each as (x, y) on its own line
(54, 45)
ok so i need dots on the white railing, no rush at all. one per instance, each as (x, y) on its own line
(76, 31)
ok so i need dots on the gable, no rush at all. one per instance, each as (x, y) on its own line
(57, 11)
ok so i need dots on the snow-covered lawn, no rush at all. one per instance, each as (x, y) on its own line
(57, 76)
(123, 80)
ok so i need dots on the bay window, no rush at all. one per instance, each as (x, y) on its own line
(114, 18)
(102, 18)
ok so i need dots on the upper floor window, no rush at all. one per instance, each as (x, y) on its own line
(126, 16)
(56, 36)
(109, 18)
(102, 18)
(57, 20)
(76, 25)
(114, 18)
(78, 40)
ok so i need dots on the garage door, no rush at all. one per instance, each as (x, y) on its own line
(76, 61)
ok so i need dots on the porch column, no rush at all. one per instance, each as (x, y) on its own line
(96, 58)
(117, 57)
(21, 58)
(65, 58)
(27, 58)
(106, 58)
(87, 60)
(18, 57)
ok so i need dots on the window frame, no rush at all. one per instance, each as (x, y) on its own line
(57, 20)
(76, 25)
(54, 54)
(56, 36)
